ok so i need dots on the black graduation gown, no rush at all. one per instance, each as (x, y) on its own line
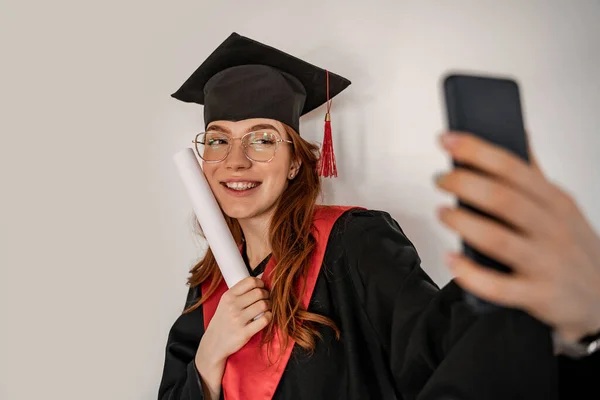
(401, 336)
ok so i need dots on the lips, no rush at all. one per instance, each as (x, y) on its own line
(240, 186)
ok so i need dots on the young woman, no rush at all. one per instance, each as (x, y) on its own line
(342, 308)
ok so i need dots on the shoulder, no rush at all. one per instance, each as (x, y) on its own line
(380, 258)
(368, 228)
(372, 243)
(362, 218)
(193, 294)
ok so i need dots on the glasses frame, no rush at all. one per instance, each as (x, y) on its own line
(277, 141)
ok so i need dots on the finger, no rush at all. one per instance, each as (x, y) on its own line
(258, 324)
(532, 158)
(251, 297)
(490, 238)
(511, 290)
(588, 237)
(246, 285)
(495, 198)
(256, 309)
(473, 151)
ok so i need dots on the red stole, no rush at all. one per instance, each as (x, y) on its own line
(248, 373)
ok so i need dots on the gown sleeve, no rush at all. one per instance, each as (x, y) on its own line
(437, 348)
(180, 379)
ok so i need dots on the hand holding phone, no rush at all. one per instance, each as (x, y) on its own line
(490, 108)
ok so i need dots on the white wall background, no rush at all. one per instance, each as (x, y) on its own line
(96, 241)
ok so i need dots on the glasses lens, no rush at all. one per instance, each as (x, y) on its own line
(212, 146)
(260, 146)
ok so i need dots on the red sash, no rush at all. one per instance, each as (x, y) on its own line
(248, 373)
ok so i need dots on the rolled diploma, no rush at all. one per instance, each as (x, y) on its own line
(206, 208)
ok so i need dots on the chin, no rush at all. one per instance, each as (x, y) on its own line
(242, 211)
(245, 211)
(237, 212)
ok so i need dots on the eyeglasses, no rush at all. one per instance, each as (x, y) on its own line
(260, 146)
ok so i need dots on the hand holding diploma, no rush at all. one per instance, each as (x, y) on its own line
(244, 309)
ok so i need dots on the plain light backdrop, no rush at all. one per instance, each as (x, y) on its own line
(96, 236)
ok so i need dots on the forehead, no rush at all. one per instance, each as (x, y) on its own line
(246, 124)
(236, 128)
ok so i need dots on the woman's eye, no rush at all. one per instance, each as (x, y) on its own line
(263, 141)
(217, 142)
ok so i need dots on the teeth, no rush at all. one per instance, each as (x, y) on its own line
(241, 185)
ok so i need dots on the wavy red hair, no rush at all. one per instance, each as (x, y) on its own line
(292, 244)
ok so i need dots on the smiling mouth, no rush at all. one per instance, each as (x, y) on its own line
(240, 186)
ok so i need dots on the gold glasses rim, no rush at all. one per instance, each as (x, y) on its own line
(278, 140)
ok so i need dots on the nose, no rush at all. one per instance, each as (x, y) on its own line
(237, 160)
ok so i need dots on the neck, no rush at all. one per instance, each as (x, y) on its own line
(256, 234)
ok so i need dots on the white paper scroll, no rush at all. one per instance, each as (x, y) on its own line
(206, 208)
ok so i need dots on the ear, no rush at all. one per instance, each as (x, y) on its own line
(294, 168)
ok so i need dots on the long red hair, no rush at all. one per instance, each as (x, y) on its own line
(292, 244)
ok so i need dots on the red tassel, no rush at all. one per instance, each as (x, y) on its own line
(327, 165)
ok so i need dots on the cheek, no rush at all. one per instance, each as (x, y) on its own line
(209, 173)
(277, 180)
(280, 183)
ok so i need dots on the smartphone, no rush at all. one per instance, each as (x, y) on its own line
(490, 108)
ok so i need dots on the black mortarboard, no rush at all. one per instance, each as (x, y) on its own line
(244, 79)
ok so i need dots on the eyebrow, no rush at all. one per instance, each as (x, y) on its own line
(263, 126)
(220, 128)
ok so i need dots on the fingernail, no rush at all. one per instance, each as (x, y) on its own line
(449, 139)
(451, 259)
(438, 177)
(442, 210)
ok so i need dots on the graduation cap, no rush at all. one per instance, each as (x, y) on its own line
(245, 79)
